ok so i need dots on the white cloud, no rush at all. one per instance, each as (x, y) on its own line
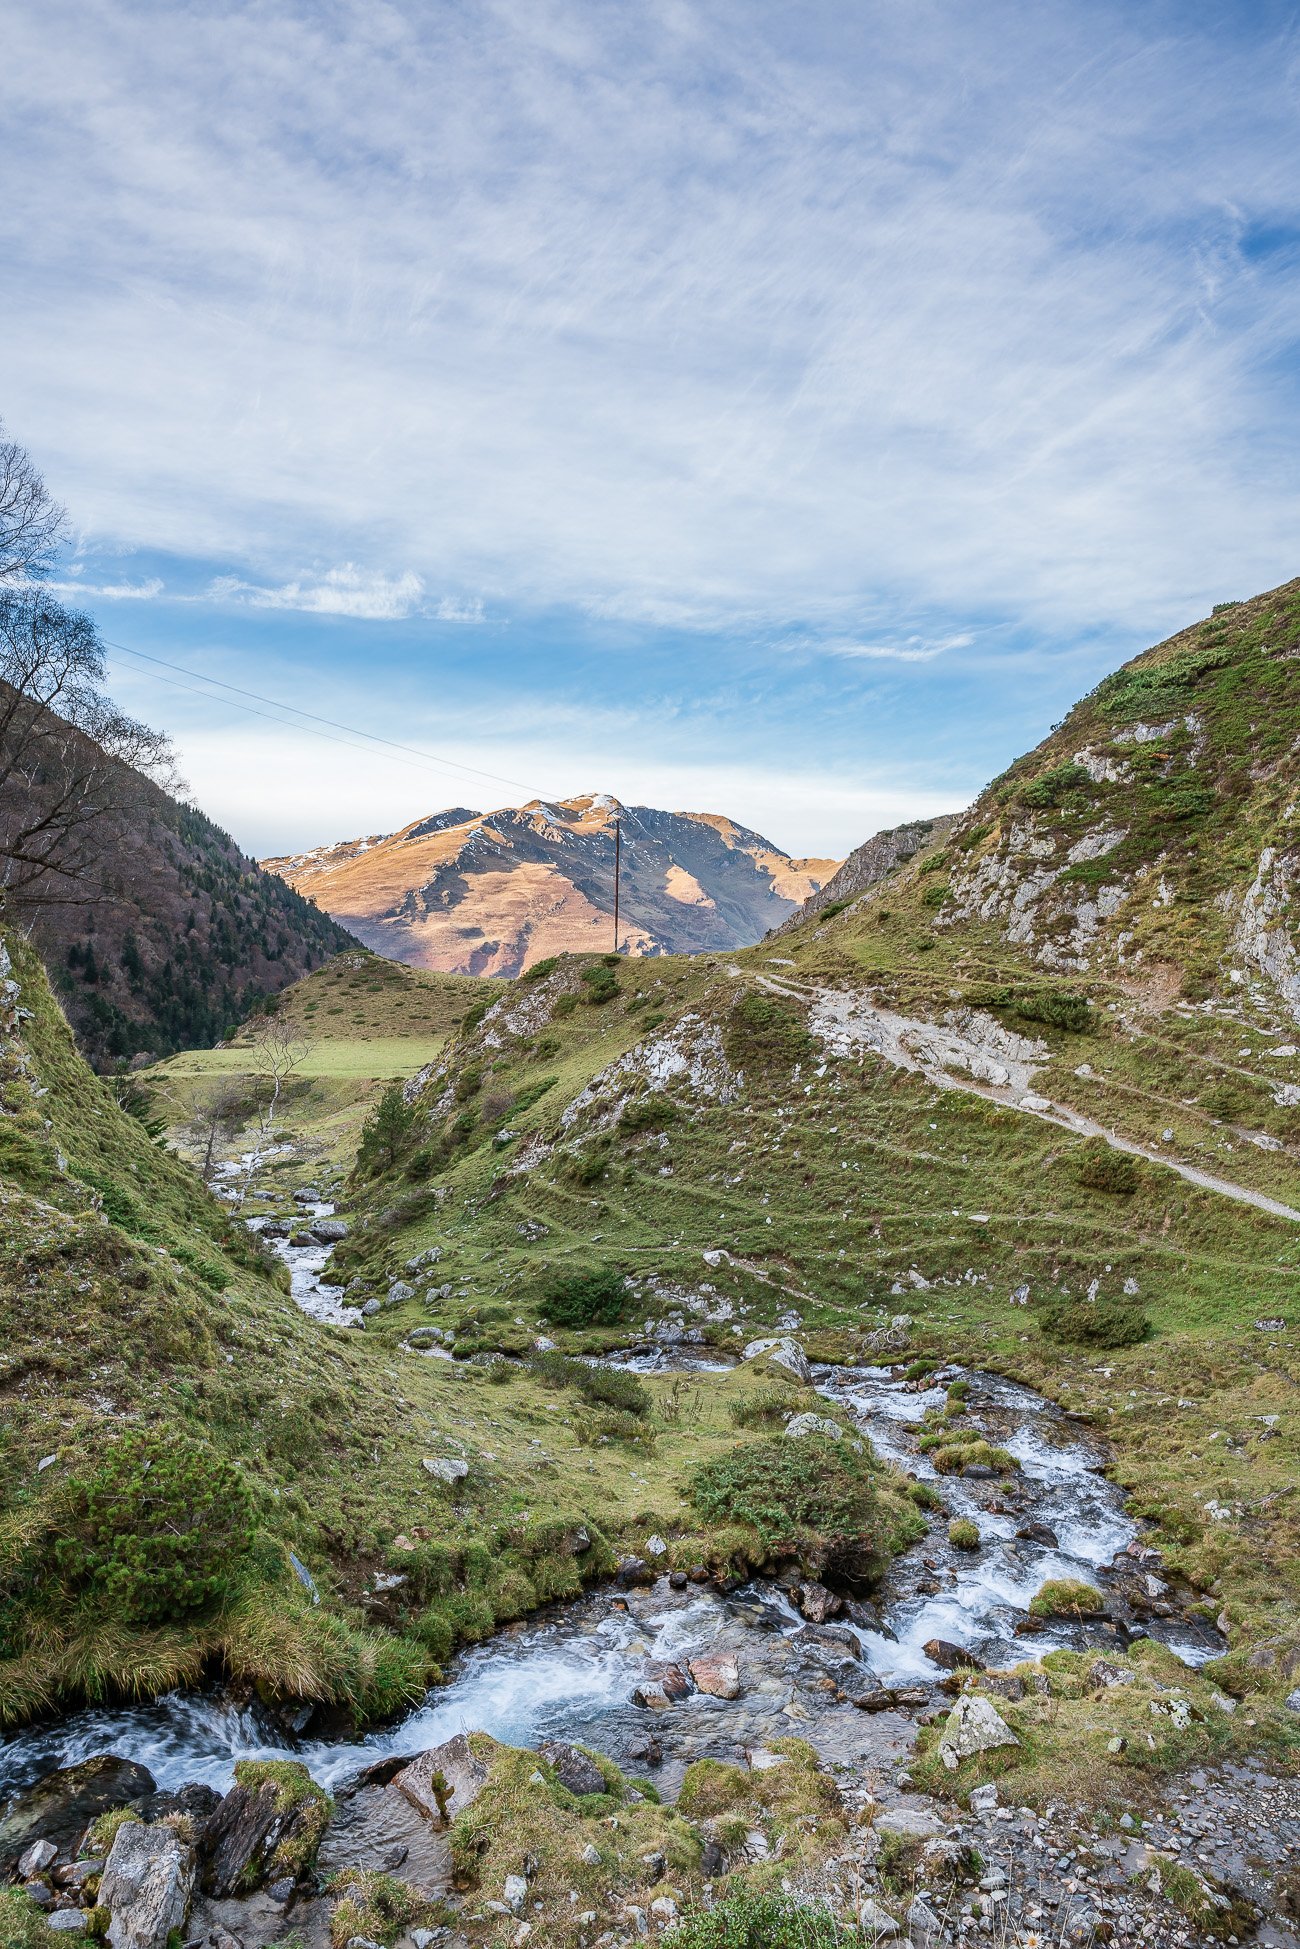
(345, 591)
(668, 312)
(911, 651)
(110, 591)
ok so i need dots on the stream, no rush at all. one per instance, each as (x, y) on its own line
(571, 1672)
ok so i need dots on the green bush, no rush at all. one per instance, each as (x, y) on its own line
(766, 1032)
(606, 1387)
(601, 983)
(1093, 1322)
(1050, 787)
(815, 1498)
(588, 1165)
(764, 1922)
(1056, 1008)
(577, 1299)
(831, 909)
(934, 896)
(1101, 1168)
(163, 1527)
(540, 969)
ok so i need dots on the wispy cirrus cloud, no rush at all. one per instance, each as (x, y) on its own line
(365, 595)
(912, 650)
(145, 591)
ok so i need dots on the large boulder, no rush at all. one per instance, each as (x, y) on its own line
(444, 1781)
(973, 1727)
(146, 1886)
(781, 1352)
(61, 1805)
(818, 1604)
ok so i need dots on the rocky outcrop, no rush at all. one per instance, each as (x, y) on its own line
(867, 865)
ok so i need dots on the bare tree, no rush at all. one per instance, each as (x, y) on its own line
(278, 1048)
(32, 524)
(215, 1118)
(68, 755)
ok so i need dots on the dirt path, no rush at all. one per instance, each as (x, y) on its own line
(977, 1054)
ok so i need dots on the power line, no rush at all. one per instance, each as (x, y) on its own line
(277, 703)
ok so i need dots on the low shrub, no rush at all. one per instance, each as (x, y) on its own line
(161, 1528)
(766, 1407)
(815, 1498)
(1093, 1322)
(540, 969)
(1051, 787)
(578, 1299)
(744, 1921)
(588, 1165)
(600, 982)
(1099, 1167)
(606, 1387)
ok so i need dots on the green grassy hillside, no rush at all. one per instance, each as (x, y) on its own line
(1035, 1089)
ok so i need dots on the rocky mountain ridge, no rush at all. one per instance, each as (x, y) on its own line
(493, 893)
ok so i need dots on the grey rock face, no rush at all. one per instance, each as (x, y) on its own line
(463, 1777)
(573, 1769)
(147, 1884)
(973, 1727)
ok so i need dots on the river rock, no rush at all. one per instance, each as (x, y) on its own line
(61, 1805)
(37, 1859)
(573, 1768)
(328, 1231)
(718, 1677)
(1039, 1533)
(819, 1604)
(663, 1685)
(802, 1425)
(464, 1775)
(951, 1657)
(239, 1836)
(973, 1727)
(147, 1883)
(782, 1353)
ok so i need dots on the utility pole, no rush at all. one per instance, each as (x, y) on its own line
(618, 861)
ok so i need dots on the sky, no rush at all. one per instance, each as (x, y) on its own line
(779, 410)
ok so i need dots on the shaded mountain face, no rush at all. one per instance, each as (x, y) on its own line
(872, 862)
(491, 893)
(173, 933)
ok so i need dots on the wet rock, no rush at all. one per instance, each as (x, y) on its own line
(649, 1751)
(835, 1638)
(573, 1769)
(1039, 1533)
(718, 1676)
(198, 1801)
(664, 1685)
(677, 1580)
(951, 1657)
(819, 1604)
(62, 1804)
(634, 1573)
(442, 1782)
(147, 1884)
(974, 1726)
(238, 1837)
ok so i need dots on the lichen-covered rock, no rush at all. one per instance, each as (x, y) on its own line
(444, 1781)
(973, 1727)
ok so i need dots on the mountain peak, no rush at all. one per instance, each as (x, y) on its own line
(490, 893)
